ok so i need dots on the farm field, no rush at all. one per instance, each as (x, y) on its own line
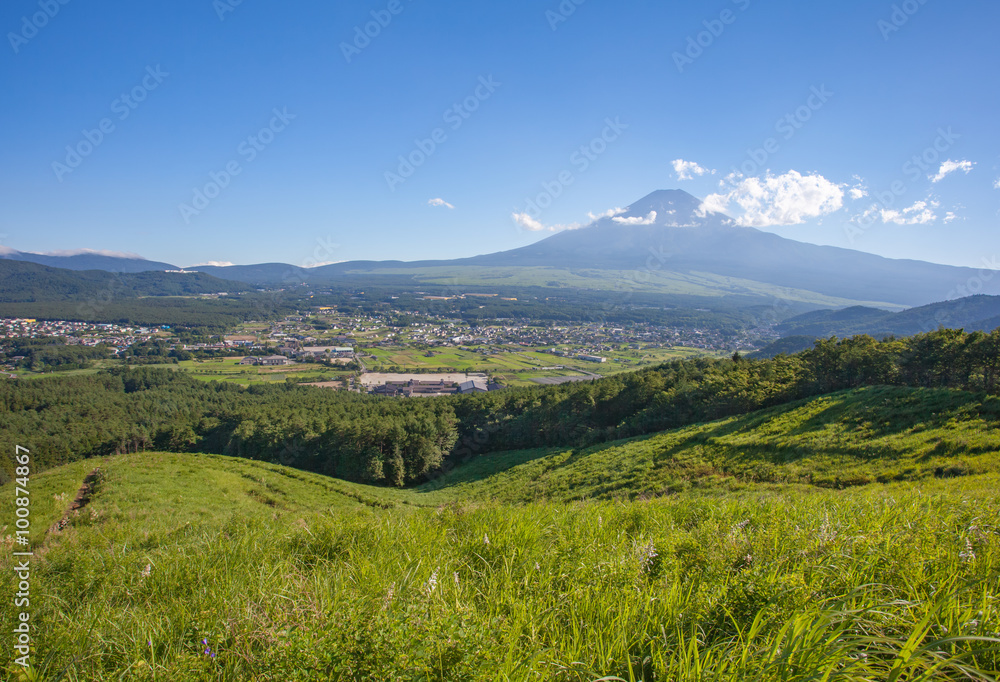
(230, 370)
(518, 367)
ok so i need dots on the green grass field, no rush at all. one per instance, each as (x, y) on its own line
(850, 537)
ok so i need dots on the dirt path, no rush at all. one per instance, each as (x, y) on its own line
(80, 501)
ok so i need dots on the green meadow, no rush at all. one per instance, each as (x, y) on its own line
(853, 536)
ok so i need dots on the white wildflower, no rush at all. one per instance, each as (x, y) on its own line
(390, 593)
(432, 583)
(647, 553)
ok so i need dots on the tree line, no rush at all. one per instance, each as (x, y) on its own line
(402, 441)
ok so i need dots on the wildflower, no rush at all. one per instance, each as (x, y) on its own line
(390, 593)
(647, 553)
(826, 534)
(969, 554)
(208, 649)
(486, 539)
(456, 578)
(432, 583)
(146, 571)
(537, 567)
(740, 526)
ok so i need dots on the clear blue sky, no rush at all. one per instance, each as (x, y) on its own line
(211, 75)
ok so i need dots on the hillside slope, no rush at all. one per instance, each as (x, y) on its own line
(846, 439)
(194, 567)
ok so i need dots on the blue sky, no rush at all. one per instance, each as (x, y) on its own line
(492, 102)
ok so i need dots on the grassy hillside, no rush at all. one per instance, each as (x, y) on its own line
(196, 567)
(845, 439)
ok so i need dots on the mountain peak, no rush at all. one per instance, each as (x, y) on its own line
(664, 207)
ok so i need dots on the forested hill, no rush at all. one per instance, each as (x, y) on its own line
(398, 442)
(970, 313)
(141, 298)
(24, 282)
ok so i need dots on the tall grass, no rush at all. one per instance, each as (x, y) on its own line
(200, 567)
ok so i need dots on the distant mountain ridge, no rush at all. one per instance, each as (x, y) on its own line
(666, 235)
(26, 282)
(973, 313)
(89, 261)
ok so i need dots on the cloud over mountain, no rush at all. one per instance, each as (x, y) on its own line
(686, 170)
(788, 199)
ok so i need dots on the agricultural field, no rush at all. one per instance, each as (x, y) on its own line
(230, 370)
(516, 366)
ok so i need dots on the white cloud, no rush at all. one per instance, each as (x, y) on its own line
(610, 213)
(948, 217)
(997, 183)
(213, 263)
(439, 202)
(637, 220)
(788, 199)
(859, 190)
(527, 222)
(93, 252)
(920, 213)
(713, 203)
(6, 250)
(686, 170)
(950, 166)
(534, 225)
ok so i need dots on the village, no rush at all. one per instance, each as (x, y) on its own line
(390, 354)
